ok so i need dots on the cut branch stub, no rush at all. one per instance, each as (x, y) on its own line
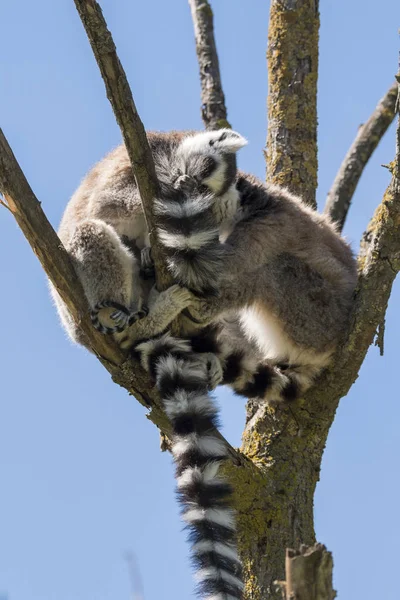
(309, 574)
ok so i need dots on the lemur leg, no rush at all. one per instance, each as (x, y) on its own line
(147, 270)
(294, 317)
(109, 273)
(268, 382)
(164, 307)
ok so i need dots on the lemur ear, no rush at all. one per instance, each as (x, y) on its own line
(223, 141)
(226, 140)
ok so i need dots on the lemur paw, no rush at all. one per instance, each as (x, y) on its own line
(111, 317)
(214, 370)
(146, 264)
(185, 183)
(199, 312)
(180, 296)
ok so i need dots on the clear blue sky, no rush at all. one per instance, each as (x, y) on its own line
(82, 479)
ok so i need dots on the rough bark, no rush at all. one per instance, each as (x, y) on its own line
(213, 109)
(308, 574)
(287, 444)
(292, 55)
(368, 137)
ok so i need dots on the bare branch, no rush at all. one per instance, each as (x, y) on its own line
(292, 54)
(368, 137)
(213, 108)
(132, 129)
(45, 243)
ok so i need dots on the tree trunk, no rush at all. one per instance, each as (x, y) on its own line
(292, 96)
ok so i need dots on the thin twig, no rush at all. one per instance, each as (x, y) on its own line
(368, 137)
(213, 108)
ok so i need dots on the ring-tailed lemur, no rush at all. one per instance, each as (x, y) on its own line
(277, 251)
(283, 275)
(103, 229)
(284, 278)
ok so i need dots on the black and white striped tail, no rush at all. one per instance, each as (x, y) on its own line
(190, 235)
(250, 377)
(198, 452)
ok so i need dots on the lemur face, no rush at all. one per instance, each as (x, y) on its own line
(208, 159)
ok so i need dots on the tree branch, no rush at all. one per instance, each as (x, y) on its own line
(292, 54)
(213, 108)
(368, 137)
(288, 443)
(23, 204)
(132, 129)
(282, 448)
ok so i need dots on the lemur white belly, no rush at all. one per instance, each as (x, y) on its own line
(273, 342)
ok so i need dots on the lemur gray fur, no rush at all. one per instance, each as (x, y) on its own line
(284, 276)
(277, 293)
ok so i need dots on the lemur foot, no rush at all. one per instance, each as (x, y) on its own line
(214, 369)
(146, 264)
(164, 308)
(200, 312)
(179, 296)
(111, 317)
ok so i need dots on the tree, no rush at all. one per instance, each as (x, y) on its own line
(276, 472)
